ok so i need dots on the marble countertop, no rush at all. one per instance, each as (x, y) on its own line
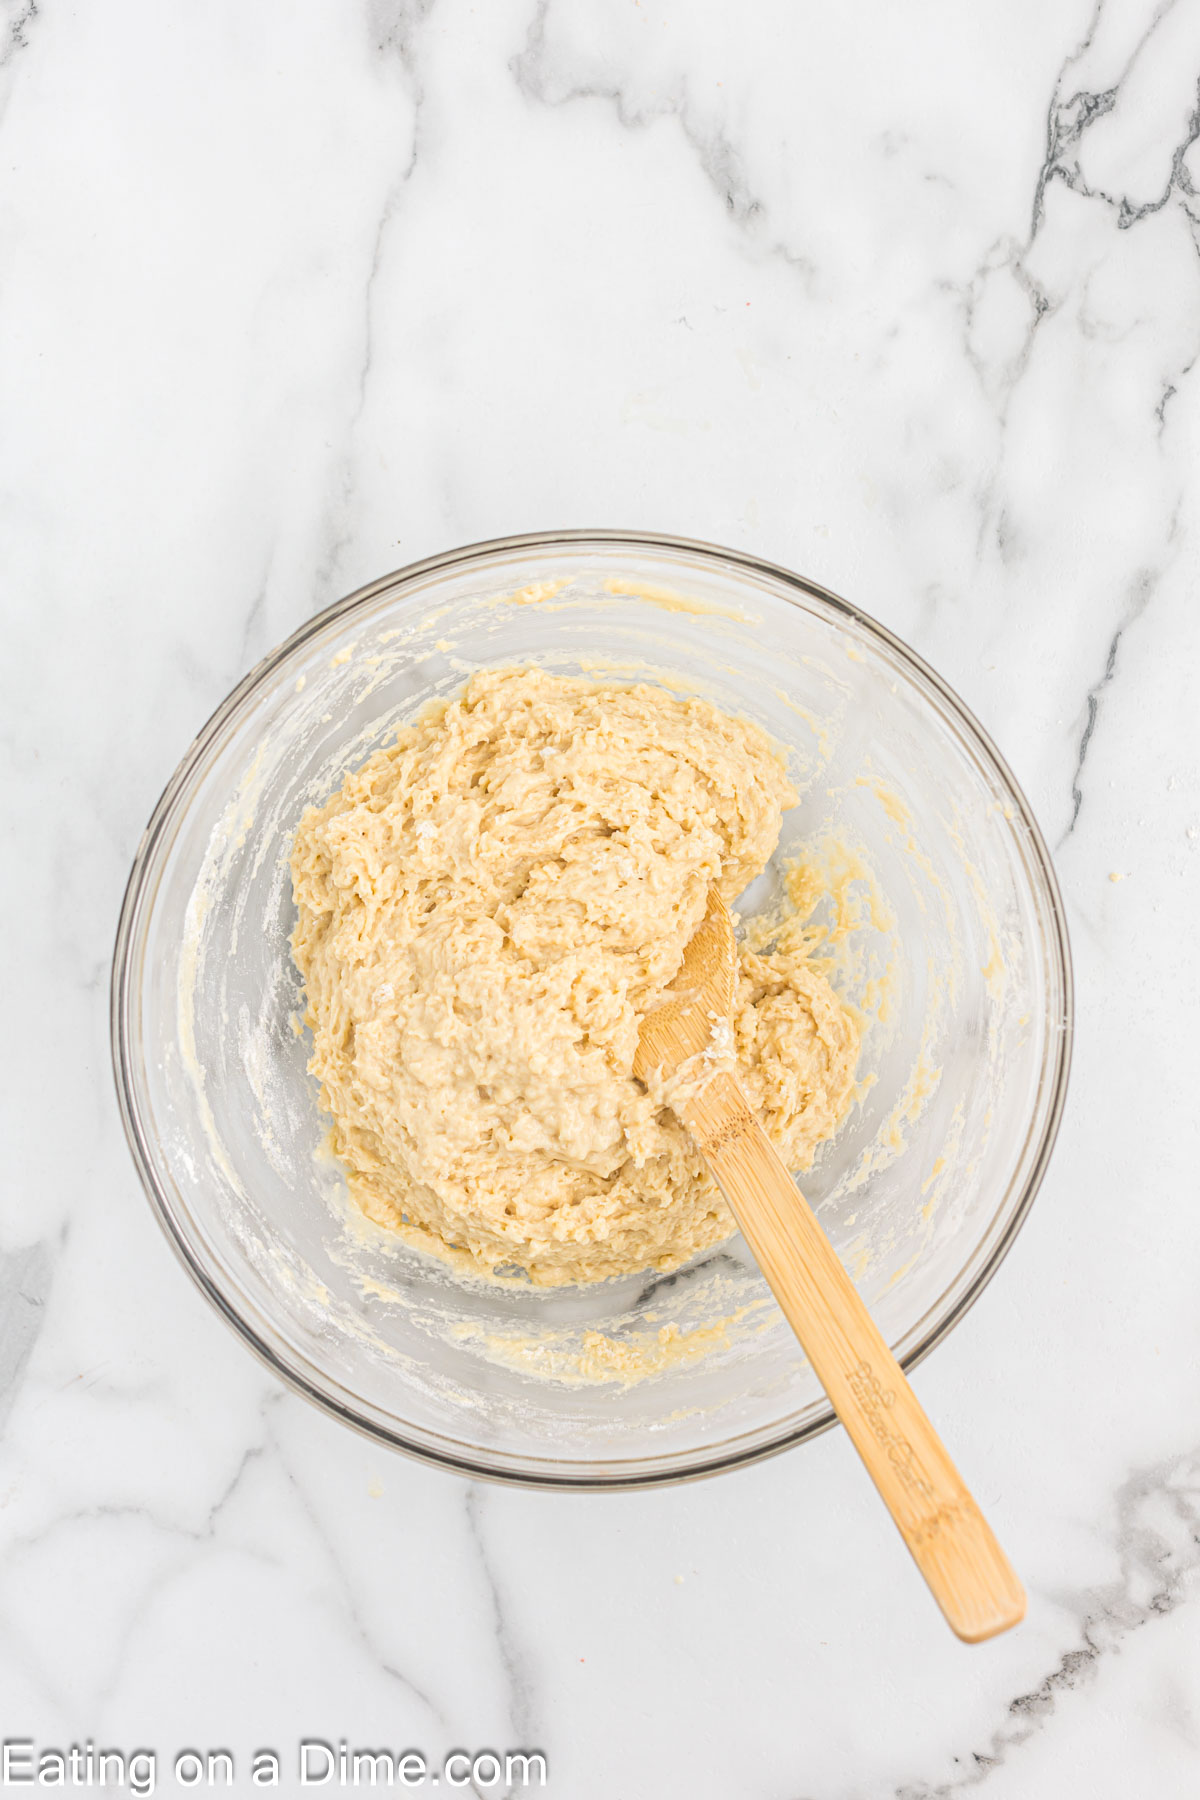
(905, 298)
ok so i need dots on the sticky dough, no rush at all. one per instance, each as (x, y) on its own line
(486, 909)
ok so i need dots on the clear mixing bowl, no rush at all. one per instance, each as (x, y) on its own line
(951, 940)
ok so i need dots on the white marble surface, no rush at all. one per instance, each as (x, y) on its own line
(905, 297)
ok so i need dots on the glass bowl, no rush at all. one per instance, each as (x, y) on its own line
(946, 929)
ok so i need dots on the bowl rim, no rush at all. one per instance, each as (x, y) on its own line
(277, 1356)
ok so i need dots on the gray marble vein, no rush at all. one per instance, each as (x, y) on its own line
(1157, 1547)
(544, 75)
(517, 1674)
(17, 20)
(26, 1278)
(1139, 599)
(394, 31)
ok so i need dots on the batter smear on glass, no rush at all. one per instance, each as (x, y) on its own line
(486, 910)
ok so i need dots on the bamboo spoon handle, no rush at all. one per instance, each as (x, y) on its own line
(950, 1540)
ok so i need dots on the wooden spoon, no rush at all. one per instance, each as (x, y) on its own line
(950, 1540)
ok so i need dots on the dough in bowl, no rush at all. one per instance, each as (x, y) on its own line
(486, 909)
